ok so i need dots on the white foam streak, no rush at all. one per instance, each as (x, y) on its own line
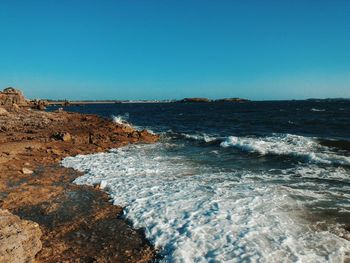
(315, 109)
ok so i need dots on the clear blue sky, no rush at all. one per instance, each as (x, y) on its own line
(130, 49)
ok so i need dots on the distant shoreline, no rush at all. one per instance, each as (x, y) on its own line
(186, 100)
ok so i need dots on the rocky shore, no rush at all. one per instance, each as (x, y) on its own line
(44, 217)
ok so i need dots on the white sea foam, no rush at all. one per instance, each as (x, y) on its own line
(121, 119)
(194, 213)
(200, 137)
(315, 109)
(287, 144)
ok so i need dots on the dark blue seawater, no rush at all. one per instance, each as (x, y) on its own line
(321, 119)
(257, 181)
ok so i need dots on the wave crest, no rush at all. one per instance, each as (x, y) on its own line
(287, 144)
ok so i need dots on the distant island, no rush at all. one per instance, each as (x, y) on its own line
(185, 100)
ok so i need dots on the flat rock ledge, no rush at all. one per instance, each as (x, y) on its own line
(19, 239)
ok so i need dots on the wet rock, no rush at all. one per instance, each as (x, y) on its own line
(19, 239)
(127, 128)
(134, 134)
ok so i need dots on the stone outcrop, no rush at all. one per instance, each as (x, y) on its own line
(39, 104)
(10, 96)
(19, 239)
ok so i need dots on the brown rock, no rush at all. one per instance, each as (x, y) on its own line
(26, 171)
(126, 128)
(66, 137)
(41, 107)
(79, 223)
(62, 136)
(134, 134)
(10, 96)
(39, 104)
(19, 239)
(56, 151)
(3, 111)
(14, 107)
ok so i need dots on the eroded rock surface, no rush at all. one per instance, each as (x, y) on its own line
(10, 96)
(19, 239)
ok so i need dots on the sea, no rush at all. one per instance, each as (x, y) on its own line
(264, 181)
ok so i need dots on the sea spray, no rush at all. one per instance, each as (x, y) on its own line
(121, 119)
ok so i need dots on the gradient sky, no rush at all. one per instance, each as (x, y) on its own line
(149, 49)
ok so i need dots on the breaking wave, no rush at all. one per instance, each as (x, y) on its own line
(200, 137)
(287, 144)
(121, 119)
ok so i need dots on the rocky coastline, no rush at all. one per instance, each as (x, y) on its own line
(44, 217)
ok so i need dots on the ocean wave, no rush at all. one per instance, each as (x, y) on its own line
(200, 137)
(195, 214)
(287, 144)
